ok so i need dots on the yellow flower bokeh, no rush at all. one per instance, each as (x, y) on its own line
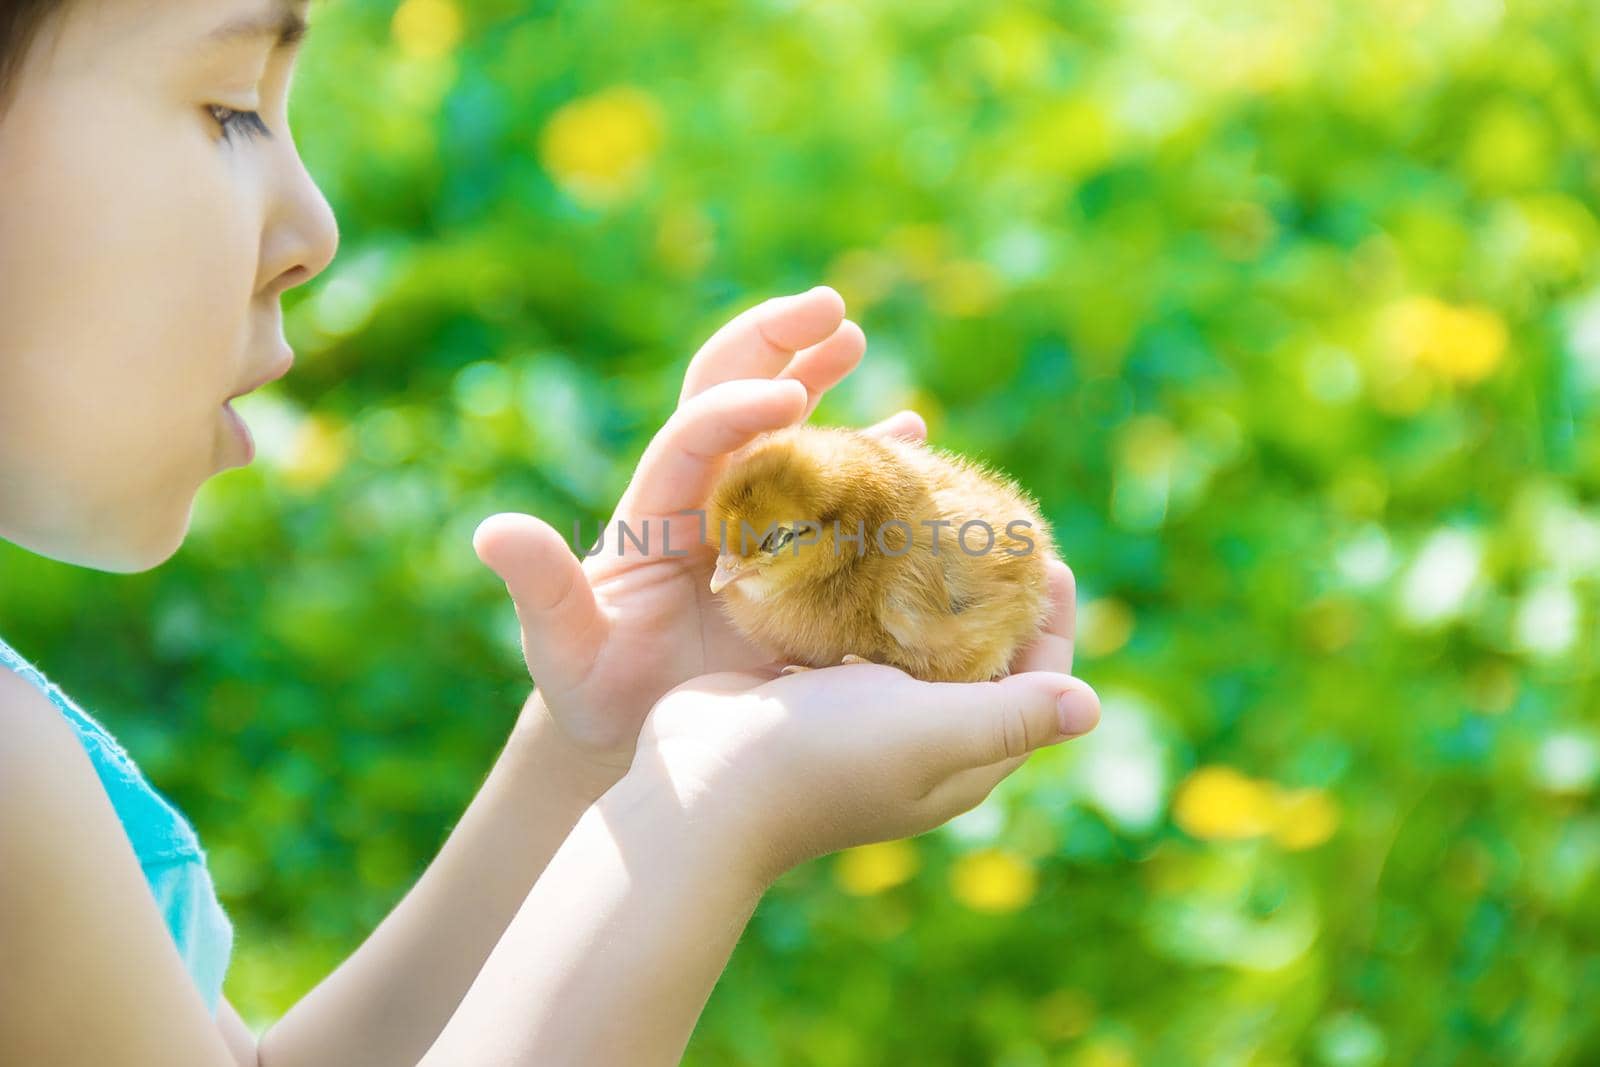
(426, 29)
(320, 450)
(1306, 819)
(1456, 343)
(599, 148)
(1220, 803)
(1104, 625)
(992, 880)
(871, 869)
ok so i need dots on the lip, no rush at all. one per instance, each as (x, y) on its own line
(277, 371)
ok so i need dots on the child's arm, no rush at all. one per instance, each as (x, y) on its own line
(387, 1002)
(604, 640)
(613, 951)
(88, 971)
(613, 955)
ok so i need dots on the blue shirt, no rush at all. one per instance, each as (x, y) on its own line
(166, 845)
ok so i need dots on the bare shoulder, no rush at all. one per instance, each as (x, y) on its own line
(32, 734)
(44, 773)
(47, 784)
(89, 973)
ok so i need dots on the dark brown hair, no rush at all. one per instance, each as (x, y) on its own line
(19, 25)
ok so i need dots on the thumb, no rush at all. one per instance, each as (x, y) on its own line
(982, 723)
(562, 626)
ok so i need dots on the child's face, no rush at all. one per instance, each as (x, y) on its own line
(143, 249)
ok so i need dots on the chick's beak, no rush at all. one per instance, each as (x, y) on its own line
(730, 569)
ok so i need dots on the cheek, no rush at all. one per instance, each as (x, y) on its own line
(127, 263)
(754, 588)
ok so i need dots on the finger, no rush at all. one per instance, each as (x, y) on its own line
(1052, 649)
(907, 425)
(563, 627)
(681, 464)
(974, 724)
(760, 342)
(823, 366)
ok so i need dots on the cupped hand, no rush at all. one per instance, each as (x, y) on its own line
(605, 638)
(785, 769)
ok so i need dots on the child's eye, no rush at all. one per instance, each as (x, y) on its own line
(239, 123)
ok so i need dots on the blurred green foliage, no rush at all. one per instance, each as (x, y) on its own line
(1288, 312)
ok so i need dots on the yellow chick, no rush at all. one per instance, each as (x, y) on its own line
(838, 547)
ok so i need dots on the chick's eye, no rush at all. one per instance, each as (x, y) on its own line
(776, 540)
(234, 123)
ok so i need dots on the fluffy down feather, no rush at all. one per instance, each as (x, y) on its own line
(913, 590)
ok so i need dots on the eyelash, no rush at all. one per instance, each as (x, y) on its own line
(247, 124)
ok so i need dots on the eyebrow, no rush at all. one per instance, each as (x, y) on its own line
(282, 21)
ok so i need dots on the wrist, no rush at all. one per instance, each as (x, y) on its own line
(691, 823)
(540, 742)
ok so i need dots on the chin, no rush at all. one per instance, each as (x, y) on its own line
(142, 543)
(755, 588)
(119, 557)
(133, 558)
(115, 518)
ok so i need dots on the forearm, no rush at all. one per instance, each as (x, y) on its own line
(388, 1001)
(616, 949)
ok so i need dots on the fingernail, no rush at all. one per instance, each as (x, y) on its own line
(1077, 711)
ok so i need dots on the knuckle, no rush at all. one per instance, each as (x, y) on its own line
(763, 314)
(674, 425)
(1011, 732)
(689, 423)
(703, 403)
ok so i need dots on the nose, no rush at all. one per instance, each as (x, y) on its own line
(302, 234)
